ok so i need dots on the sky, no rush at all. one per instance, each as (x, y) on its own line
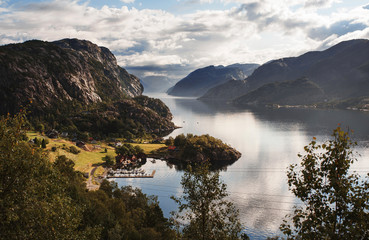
(174, 37)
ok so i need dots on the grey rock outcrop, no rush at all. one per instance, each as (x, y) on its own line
(69, 69)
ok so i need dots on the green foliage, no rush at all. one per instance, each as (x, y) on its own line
(109, 160)
(129, 150)
(125, 119)
(203, 210)
(43, 143)
(33, 201)
(37, 142)
(169, 141)
(40, 127)
(335, 202)
(44, 200)
(74, 150)
(155, 104)
(180, 140)
(126, 213)
(195, 148)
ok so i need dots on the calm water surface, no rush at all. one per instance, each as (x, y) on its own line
(269, 141)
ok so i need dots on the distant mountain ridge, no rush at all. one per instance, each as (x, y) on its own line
(156, 84)
(201, 80)
(295, 92)
(341, 72)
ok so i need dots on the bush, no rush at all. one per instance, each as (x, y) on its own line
(109, 160)
(169, 141)
(74, 150)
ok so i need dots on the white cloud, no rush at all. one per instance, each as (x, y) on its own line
(319, 3)
(198, 1)
(127, 1)
(255, 31)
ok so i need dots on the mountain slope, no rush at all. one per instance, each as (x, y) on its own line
(223, 91)
(201, 80)
(341, 71)
(295, 92)
(77, 87)
(69, 69)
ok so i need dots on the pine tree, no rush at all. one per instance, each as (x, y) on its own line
(43, 143)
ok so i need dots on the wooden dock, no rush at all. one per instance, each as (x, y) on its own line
(133, 175)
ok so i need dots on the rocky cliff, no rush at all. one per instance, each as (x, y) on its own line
(69, 69)
(77, 87)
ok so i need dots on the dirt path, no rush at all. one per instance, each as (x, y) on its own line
(90, 185)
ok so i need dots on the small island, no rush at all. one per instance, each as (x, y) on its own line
(183, 150)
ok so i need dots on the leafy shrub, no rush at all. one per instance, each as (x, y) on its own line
(109, 160)
(74, 150)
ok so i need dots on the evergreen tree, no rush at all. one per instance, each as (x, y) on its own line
(43, 143)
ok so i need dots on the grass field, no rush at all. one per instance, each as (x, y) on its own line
(148, 148)
(85, 160)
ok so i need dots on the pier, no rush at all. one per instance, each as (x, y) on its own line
(130, 174)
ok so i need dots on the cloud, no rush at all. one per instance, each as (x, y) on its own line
(319, 3)
(127, 1)
(337, 29)
(265, 15)
(198, 1)
(156, 40)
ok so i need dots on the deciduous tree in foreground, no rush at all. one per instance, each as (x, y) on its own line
(335, 202)
(204, 212)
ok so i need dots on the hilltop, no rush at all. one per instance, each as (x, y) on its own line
(77, 87)
(340, 72)
(201, 80)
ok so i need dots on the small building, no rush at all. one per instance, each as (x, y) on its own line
(96, 146)
(64, 134)
(52, 134)
(80, 144)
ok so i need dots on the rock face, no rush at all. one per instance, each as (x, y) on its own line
(69, 69)
(340, 71)
(201, 80)
(77, 87)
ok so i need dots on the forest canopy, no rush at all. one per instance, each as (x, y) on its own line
(40, 199)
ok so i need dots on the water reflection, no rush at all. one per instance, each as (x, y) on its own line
(269, 140)
(215, 165)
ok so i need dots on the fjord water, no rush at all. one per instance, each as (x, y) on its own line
(269, 140)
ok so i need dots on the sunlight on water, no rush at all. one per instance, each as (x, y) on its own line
(269, 141)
